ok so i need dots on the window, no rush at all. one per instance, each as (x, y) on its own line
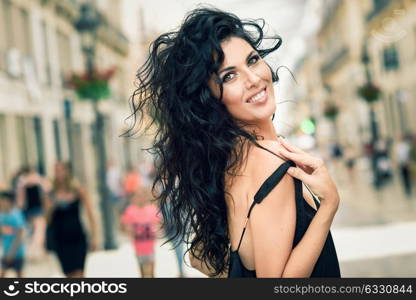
(414, 40)
(64, 54)
(57, 135)
(37, 122)
(26, 44)
(22, 141)
(46, 52)
(390, 58)
(7, 13)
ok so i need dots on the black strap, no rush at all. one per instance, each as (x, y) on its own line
(265, 189)
(300, 188)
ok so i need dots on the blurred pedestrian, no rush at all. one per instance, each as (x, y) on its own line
(336, 151)
(66, 232)
(384, 165)
(404, 160)
(16, 178)
(146, 170)
(30, 197)
(141, 221)
(413, 156)
(114, 184)
(12, 226)
(350, 160)
(131, 182)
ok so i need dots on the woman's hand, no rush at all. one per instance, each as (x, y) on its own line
(311, 171)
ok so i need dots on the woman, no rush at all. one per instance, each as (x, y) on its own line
(221, 167)
(66, 234)
(30, 197)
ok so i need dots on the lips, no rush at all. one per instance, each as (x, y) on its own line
(259, 97)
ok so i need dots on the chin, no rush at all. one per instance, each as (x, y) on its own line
(271, 110)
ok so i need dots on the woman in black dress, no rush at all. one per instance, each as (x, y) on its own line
(66, 233)
(222, 171)
(30, 187)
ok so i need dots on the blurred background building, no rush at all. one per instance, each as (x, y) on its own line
(332, 71)
(41, 119)
(353, 101)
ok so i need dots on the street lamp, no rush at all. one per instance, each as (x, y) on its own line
(371, 93)
(87, 25)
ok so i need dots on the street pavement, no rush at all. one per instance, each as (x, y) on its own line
(373, 233)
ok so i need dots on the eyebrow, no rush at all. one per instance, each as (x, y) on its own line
(232, 67)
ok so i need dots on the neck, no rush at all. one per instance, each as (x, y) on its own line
(264, 129)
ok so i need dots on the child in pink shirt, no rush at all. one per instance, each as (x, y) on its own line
(141, 219)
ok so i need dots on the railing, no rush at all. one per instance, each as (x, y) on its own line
(332, 63)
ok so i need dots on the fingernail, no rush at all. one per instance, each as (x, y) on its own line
(290, 170)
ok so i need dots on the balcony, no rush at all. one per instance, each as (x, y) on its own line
(378, 7)
(67, 8)
(113, 37)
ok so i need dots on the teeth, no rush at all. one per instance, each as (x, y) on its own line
(257, 97)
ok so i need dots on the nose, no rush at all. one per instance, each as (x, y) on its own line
(252, 79)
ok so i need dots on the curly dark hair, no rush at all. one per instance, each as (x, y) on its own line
(197, 141)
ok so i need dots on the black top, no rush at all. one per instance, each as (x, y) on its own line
(327, 264)
(66, 221)
(33, 196)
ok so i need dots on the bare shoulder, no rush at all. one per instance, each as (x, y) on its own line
(272, 222)
(261, 163)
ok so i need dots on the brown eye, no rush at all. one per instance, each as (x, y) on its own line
(227, 77)
(254, 59)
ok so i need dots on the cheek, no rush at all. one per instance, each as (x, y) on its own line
(232, 97)
(233, 100)
(265, 73)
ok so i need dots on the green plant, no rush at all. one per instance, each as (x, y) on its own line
(94, 86)
(331, 111)
(369, 92)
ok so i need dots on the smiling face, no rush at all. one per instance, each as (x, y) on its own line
(247, 83)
